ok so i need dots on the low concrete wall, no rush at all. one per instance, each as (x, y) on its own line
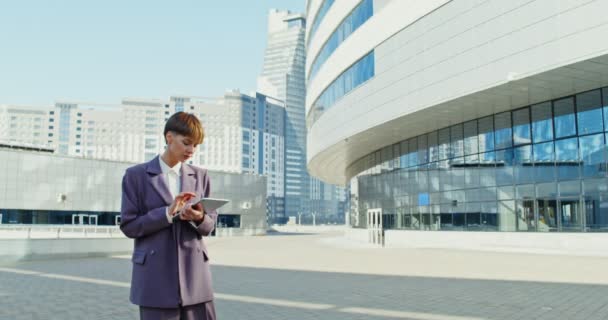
(308, 228)
(588, 244)
(12, 250)
(357, 235)
(237, 232)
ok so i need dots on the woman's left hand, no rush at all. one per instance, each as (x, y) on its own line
(194, 213)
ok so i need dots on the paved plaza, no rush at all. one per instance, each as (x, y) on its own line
(323, 276)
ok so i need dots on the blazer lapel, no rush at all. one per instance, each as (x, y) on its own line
(188, 179)
(158, 181)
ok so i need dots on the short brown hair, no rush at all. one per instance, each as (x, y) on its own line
(186, 124)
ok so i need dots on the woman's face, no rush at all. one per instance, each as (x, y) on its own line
(180, 147)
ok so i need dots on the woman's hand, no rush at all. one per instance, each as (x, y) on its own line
(179, 202)
(194, 212)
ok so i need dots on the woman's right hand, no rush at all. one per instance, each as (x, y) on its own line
(179, 202)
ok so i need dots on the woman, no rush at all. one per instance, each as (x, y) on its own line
(171, 277)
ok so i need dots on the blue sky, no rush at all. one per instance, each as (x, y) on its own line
(102, 51)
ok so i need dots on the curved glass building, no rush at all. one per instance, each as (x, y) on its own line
(462, 115)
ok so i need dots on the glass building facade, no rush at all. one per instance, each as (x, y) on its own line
(351, 78)
(318, 18)
(540, 168)
(351, 23)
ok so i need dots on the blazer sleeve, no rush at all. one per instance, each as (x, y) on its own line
(208, 224)
(134, 223)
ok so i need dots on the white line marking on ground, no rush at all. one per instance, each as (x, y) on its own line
(265, 301)
(404, 314)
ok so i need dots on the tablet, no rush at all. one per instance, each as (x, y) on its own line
(208, 204)
(212, 204)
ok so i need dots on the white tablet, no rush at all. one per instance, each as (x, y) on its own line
(212, 204)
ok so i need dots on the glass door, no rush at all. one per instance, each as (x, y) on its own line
(526, 221)
(571, 214)
(547, 214)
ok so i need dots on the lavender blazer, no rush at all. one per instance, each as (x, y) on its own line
(170, 260)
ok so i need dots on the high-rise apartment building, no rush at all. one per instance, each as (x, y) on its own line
(243, 134)
(246, 134)
(28, 126)
(282, 77)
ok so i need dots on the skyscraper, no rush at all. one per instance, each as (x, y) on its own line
(282, 77)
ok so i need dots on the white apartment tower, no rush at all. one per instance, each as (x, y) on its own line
(282, 77)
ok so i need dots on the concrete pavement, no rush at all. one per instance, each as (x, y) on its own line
(308, 276)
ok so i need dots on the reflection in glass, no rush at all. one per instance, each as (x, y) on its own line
(542, 122)
(564, 118)
(433, 147)
(589, 112)
(457, 141)
(504, 169)
(479, 187)
(566, 150)
(593, 155)
(471, 145)
(547, 216)
(486, 134)
(566, 156)
(503, 130)
(423, 156)
(524, 171)
(570, 214)
(525, 216)
(544, 162)
(521, 127)
(506, 215)
(489, 216)
(444, 143)
(543, 153)
(596, 204)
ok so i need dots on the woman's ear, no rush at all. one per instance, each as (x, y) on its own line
(169, 137)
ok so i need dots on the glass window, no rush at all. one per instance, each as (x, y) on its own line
(521, 127)
(502, 125)
(404, 161)
(444, 143)
(605, 99)
(351, 23)
(358, 73)
(488, 158)
(542, 122)
(524, 171)
(589, 112)
(564, 118)
(566, 150)
(506, 215)
(504, 169)
(593, 155)
(457, 141)
(505, 193)
(566, 156)
(412, 152)
(543, 152)
(422, 149)
(433, 147)
(319, 17)
(470, 138)
(486, 134)
(596, 204)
